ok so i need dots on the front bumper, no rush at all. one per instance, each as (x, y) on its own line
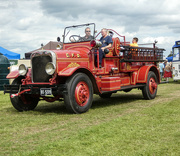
(59, 89)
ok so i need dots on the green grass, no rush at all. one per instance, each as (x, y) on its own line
(124, 124)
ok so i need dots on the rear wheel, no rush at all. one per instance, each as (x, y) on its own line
(150, 89)
(23, 102)
(79, 93)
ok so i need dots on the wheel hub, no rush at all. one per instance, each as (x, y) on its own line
(82, 93)
(152, 85)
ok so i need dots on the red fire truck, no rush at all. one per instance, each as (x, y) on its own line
(71, 74)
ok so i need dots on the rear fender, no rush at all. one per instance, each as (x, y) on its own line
(143, 73)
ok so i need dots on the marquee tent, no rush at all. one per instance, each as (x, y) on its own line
(169, 58)
(9, 54)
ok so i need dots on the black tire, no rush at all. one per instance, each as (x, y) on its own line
(28, 102)
(105, 95)
(149, 91)
(78, 98)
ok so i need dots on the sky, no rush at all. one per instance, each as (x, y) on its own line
(25, 24)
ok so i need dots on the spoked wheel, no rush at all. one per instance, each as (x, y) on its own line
(79, 93)
(23, 102)
(150, 90)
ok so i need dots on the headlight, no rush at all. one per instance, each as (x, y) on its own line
(23, 69)
(50, 68)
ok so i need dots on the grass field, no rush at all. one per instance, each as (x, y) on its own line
(124, 124)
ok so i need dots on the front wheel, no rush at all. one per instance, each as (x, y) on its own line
(23, 102)
(149, 91)
(79, 93)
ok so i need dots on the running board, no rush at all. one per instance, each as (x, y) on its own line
(125, 88)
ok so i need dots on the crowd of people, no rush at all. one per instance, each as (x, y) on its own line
(165, 69)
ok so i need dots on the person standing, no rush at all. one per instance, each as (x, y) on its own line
(161, 69)
(167, 72)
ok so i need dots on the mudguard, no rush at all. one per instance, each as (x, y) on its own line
(67, 71)
(12, 75)
(143, 73)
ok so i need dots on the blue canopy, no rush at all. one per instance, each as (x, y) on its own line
(9, 54)
(169, 58)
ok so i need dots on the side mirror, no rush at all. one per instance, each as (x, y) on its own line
(58, 39)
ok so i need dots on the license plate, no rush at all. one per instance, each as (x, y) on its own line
(45, 91)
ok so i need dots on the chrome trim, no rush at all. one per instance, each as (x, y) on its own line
(43, 53)
(114, 68)
(53, 69)
(25, 69)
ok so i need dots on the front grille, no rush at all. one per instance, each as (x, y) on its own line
(38, 68)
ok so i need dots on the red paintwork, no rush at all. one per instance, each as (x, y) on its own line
(113, 75)
(12, 75)
(152, 85)
(110, 83)
(67, 71)
(142, 74)
(82, 93)
(127, 73)
(17, 94)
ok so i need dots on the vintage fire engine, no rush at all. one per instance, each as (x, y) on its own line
(71, 73)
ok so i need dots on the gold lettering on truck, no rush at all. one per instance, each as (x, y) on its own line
(78, 56)
(73, 65)
(67, 55)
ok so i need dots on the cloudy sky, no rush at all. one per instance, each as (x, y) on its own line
(25, 24)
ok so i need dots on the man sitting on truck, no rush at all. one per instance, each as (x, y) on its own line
(106, 43)
(134, 42)
(88, 36)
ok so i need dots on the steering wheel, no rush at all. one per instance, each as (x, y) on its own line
(74, 38)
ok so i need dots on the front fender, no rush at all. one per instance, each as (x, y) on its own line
(12, 75)
(67, 71)
(72, 70)
(143, 73)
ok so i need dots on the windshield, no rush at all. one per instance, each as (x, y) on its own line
(79, 33)
(176, 53)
